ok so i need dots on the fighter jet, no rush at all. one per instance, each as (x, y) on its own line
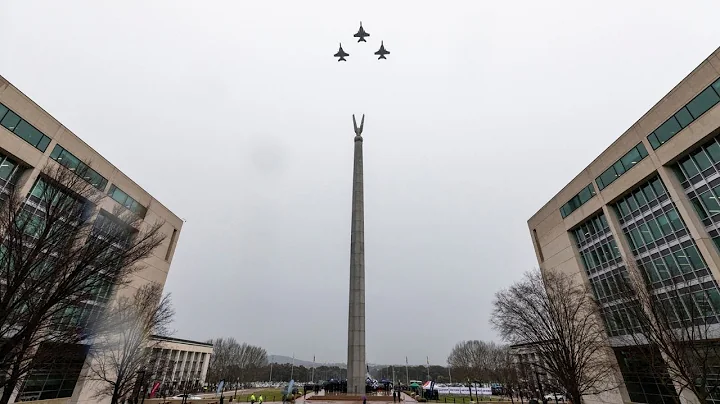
(361, 34)
(382, 52)
(341, 54)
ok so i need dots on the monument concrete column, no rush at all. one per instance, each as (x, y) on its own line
(356, 367)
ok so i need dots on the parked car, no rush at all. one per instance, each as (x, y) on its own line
(551, 397)
(189, 397)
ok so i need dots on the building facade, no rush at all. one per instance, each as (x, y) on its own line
(649, 201)
(30, 139)
(178, 365)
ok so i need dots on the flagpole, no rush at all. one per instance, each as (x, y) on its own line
(313, 370)
(407, 377)
(292, 367)
(427, 359)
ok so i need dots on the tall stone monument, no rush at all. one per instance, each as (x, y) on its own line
(356, 368)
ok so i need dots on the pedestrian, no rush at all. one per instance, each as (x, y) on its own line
(252, 398)
(364, 399)
(394, 395)
(260, 400)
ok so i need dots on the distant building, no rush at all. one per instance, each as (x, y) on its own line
(178, 364)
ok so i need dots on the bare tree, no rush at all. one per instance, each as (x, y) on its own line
(474, 360)
(232, 361)
(125, 348)
(676, 329)
(557, 317)
(60, 257)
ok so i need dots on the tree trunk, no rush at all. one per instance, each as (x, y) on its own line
(7, 392)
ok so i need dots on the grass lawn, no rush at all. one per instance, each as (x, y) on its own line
(453, 398)
(268, 395)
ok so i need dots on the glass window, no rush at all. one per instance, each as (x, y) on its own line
(57, 150)
(118, 195)
(43, 144)
(667, 130)
(645, 233)
(616, 250)
(28, 133)
(623, 208)
(689, 168)
(714, 296)
(642, 150)
(710, 202)
(640, 198)
(679, 307)
(10, 121)
(655, 229)
(620, 168)
(631, 158)
(585, 195)
(636, 239)
(632, 203)
(713, 150)
(699, 208)
(683, 262)
(608, 176)
(658, 187)
(651, 273)
(6, 169)
(3, 111)
(684, 117)
(671, 265)
(603, 221)
(695, 260)
(648, 191)
(703, 302)
(704, 101)
(675, 221)
(661, 269)
(702, 160)
(38, 189)
(654, 142)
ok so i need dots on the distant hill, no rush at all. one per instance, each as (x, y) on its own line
(282, 359)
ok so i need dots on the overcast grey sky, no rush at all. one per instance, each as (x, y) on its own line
(236, 116)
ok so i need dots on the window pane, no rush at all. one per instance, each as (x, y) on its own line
(702, 160)
(632, 203)
(10, 121)
(620, 168)
(28, 133)
(683, 262)
(608, 176)
(713, 150)
(630, 159)
(640, 198)
(704, 101)
(699, 208)
(689, 168)
(664, 225)
(614, 247)
(584, 195)
(56, 152)
(623, 208)
(694, 258)
(710, 202)
(671, 265)
(43, 143)
(658, 187)
(3, 111)
(651, 273)
(649, 194)
(654, 142)
(635, 239)
(675, 221)
(684, 117)
(714, 296)
(6, 169)
(667, 130)
(661, 268)
(645, 233)
(703, 302)
(642, 150)
(655, 229)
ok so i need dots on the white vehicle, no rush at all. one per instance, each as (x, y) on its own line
(551, 397)
(189, 397)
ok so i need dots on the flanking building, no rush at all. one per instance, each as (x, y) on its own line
(30, 138)
(650, 201)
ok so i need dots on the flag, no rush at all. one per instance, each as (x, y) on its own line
(313, 358)
(428, 360)
(406, 362)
